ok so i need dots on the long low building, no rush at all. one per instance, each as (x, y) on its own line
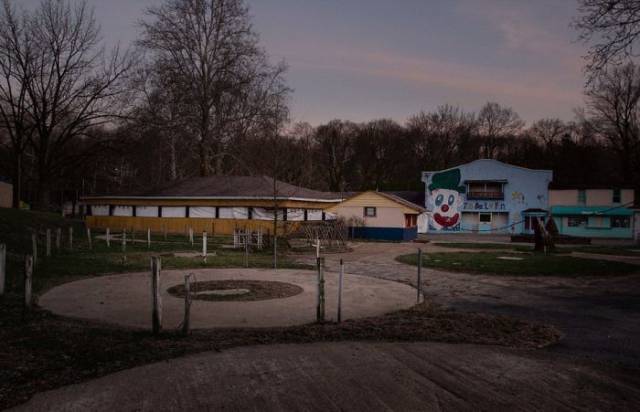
(215, 204)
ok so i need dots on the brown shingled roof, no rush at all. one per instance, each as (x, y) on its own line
(232, 187)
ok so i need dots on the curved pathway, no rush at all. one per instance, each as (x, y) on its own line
(599, 316)
(352, 376)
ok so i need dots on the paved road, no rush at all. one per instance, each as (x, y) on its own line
(353, 377)
(600, 316)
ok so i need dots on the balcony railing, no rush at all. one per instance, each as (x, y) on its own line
(485, 195)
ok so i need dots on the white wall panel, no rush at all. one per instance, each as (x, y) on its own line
(100, 210)
(123, 211)
(174, 211)
(202, 211)
(147, 211)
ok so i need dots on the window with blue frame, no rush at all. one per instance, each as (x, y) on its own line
(577, 221)
(582, 197)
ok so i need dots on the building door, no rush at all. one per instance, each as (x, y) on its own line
(484, 225)
(410, 220)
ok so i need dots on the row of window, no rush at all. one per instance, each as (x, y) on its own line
(615, 198)
(210, 212)
(599, 222)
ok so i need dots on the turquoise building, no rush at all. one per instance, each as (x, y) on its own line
(593, 212)
(486, 196)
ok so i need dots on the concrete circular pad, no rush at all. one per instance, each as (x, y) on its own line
(126, 299)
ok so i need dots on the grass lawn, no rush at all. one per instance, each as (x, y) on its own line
(530, 265)
(484, 246)
(619, 250)
(65, 265)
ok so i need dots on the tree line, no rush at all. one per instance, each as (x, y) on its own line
(198, 95)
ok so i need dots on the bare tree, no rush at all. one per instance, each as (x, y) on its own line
(615, 26)
(441, 134)
(16, 53)
(548, 131)
(334, 151)
(613, 103)
(495, 123)
(64, 83)
(211, 48)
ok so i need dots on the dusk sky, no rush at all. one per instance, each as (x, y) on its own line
(366, 59)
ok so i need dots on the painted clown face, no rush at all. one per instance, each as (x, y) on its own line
(445, 205)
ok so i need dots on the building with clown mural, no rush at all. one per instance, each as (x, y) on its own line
(486, 196)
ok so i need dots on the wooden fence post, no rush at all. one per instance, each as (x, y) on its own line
(28, 276)
(419, 285)
(48, 243)
(58, 239)
(3, 267)
(70, 237)
(148, 238)
(156, 315)
(89, 238)
(191, 235)
(164, 228)
(124, 241)
(320, 301)
(34, 248)
(246, 248)
(204, 246)
(108, 235)
(186, 323)
(340, 291)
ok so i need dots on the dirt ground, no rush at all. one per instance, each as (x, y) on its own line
(354, 376)
(599, 316)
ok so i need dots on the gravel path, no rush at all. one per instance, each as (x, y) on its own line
(600, 316)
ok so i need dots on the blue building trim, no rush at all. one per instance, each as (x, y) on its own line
(384, 233)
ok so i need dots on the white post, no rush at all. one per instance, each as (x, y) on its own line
(28, 274)
(148, 238)
(191, 235)
(156, 315)
(48, 243)
(3, 267)
(204, 246)
(246, 248)
(89, 238)
(317, 247)
(58, 239)
(108, 237)
(124, 240)
(340, 291)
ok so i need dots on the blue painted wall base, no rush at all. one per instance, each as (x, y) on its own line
(384, 233)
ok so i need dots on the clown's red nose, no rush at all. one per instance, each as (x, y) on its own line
(445, 208)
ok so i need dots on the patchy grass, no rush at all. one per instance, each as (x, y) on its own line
(65, 265)
(530, 265)
(484, 246)
(621, 250)
(41, 351)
